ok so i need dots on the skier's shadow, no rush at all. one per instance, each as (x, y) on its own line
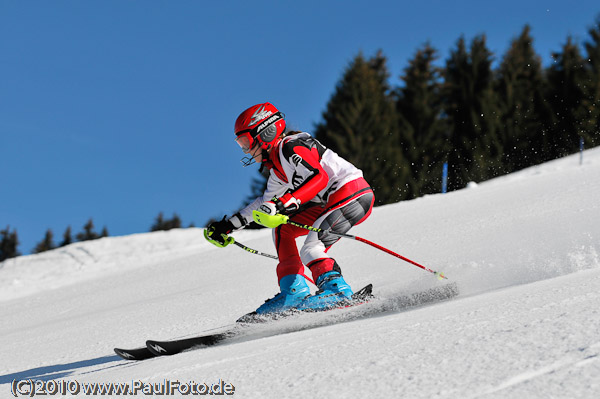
(55, 371)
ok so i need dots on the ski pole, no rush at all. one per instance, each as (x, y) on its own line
(319, 230)
(254, 251)
(230, 240)
(273, 221)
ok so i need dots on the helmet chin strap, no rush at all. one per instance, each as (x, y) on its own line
(250, 159)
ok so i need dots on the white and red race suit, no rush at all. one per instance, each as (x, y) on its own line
(330, 194)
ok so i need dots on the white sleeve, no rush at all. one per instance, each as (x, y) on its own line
(275, 188)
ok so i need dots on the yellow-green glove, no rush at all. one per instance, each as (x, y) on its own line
(217, 233)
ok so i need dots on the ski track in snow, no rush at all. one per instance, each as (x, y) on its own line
(524, 250)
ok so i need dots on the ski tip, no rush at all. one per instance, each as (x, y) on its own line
(123, 354)
(133, 354)
(365, 292)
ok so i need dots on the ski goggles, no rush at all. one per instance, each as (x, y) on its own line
(245, 141)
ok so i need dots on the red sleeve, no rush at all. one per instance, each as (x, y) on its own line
(317, 181)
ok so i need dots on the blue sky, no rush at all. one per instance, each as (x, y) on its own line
(118, 110)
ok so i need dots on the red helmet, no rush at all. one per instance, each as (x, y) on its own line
(261, 124)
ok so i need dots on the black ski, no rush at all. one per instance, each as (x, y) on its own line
(134, 354)
(171, 347)
(245, 323)
(160, 348)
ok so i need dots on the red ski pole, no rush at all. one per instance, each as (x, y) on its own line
(318, 230)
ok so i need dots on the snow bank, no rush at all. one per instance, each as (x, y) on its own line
(81, 261)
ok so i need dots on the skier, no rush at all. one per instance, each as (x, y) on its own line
(314, 186)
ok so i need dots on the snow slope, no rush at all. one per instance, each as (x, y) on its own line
(524, 250)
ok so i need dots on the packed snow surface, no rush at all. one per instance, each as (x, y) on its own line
(523, 250)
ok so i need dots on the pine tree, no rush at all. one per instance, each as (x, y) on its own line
(592, 101)
(161, 224)
(9, 243)
(104, 232)
(361, 125)
(472, 111)
(422, 130)
(175, 222)
(46, 244)
(521, 85)
(567, 97)
(67, 238)
(88, 232)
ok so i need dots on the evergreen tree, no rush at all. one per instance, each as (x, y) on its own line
(521, 86)
(161, 223)
(592, 101)
(9, 243)
(88, 232)
(46, 244)
(566, 95)
(104, 232)
(472, 111)
(361, 125)
(67, 238)
(422, 130)
(175, 222)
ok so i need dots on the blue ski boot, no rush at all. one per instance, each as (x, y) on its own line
(293, 291)
(333, 289)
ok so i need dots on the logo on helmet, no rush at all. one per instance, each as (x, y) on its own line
(260, 114)
(266, 123)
